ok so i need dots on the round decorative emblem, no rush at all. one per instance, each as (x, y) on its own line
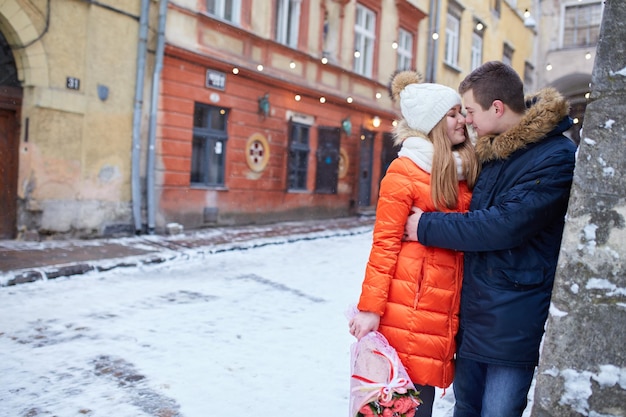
(257, 152)
(344, 163)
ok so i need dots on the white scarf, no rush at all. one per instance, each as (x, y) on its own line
(421, 150)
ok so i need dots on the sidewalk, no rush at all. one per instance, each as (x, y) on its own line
(22, 262)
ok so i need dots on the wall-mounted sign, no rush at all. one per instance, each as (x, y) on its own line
(72, 83)
(215, 79)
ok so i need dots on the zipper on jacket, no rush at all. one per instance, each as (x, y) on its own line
(459, 267)
(418, 280)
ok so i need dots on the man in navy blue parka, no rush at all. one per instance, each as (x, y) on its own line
(511, 237)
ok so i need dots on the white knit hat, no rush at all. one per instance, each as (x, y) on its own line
(423, 105)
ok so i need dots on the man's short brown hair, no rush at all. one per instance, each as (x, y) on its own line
(495, 80)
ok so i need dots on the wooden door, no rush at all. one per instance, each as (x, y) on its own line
(365, 168)
(8, 174)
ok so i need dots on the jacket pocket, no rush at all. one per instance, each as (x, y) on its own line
(405, 284)
(523, 278)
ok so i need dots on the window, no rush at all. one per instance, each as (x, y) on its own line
(497, 7)
(327, 168)
(507, 54)
(477, 50)
(405, 50)
(228, 10)
(581, 26)
(529, 70)
(364, 38)
(288, 22)
(298, 156)
(209, 145)
(388, 154)
(453, 26)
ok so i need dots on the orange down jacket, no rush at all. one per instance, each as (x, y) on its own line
(416, 289)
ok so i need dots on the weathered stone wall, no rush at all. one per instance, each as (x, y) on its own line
(582, 370)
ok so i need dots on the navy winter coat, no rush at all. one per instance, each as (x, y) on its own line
(512, 235)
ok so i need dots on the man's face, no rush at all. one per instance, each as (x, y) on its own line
(484, 121)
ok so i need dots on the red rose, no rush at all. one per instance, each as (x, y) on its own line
(387, 412)
(403, 404)
(367, 411)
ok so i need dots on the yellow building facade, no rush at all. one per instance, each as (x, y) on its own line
(75, 70)
(464, 34)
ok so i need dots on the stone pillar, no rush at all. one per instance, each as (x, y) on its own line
(582, 370)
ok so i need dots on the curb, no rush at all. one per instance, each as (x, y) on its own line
(159, 250)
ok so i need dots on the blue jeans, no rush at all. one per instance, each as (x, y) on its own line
(487, 390)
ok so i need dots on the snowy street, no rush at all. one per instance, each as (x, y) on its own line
(231, 333)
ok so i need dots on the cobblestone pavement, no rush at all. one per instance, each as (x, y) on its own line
(22, 262)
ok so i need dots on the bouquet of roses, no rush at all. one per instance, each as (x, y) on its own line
(401, 405)
(380, 386)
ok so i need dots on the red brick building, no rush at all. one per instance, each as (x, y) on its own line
(252, 130)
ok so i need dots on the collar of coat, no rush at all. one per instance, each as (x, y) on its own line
(545, 110)
(420, 150)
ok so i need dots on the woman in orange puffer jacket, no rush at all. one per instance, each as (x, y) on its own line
(411, 293)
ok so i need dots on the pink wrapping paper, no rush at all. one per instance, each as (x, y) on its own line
(377, 374)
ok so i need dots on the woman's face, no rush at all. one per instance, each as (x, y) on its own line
(455, 125)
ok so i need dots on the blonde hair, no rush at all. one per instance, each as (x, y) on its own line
(444, 182)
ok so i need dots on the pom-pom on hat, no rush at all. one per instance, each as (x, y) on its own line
(423, 105)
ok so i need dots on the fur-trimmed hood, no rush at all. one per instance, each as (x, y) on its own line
(545, 109)
(403, 131)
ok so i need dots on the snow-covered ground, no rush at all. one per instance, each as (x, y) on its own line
(257, 331)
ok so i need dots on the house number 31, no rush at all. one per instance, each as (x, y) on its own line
(72, 83)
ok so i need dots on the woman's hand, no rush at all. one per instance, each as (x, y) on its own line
(410, 228)
(363, 323)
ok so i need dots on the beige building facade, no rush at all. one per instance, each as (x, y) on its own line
(72, 66)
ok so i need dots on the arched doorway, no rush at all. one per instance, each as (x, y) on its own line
(574, 87)
(10, 105)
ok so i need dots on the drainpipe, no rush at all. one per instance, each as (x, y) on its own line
(433, 27)
(136, 141)
(436, 42)
(156, 78)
